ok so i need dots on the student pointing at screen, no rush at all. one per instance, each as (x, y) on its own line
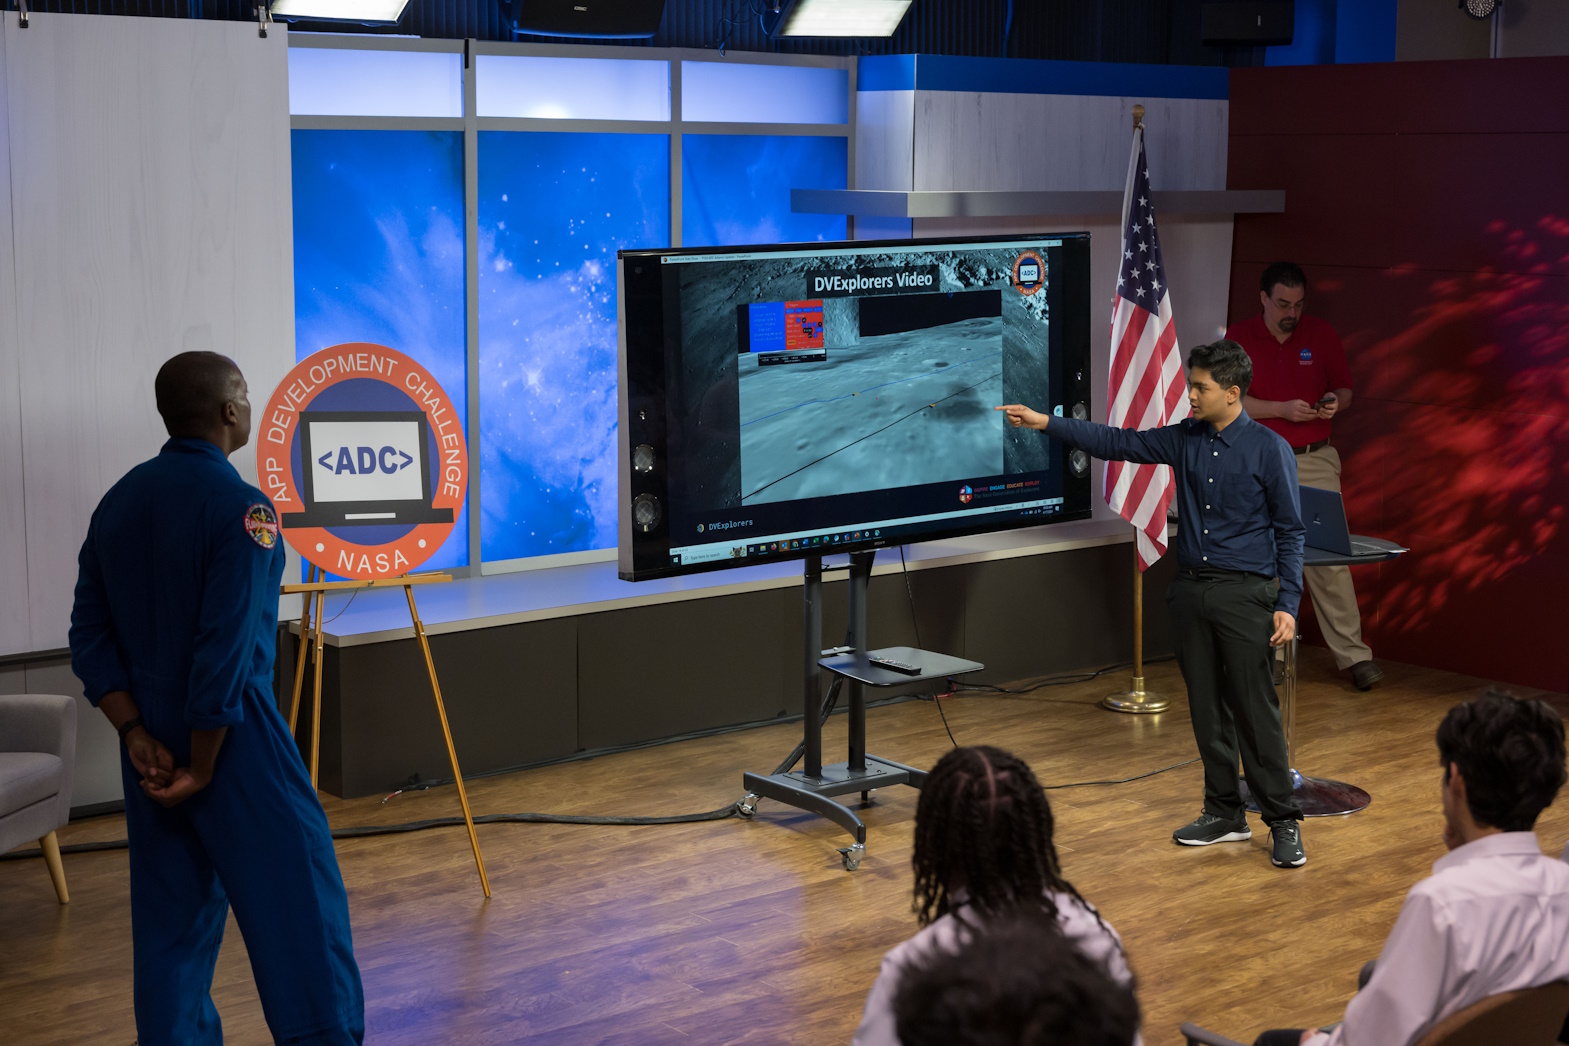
(1238, 584)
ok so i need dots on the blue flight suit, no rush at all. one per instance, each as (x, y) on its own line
(177, 603)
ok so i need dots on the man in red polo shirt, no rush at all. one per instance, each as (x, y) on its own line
(1300, 382)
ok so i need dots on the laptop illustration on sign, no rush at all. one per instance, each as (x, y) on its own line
(1324, 515)
(365, 468)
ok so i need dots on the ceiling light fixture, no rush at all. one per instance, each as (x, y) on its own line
(1480, 9)
(360, 12)
(835, 17)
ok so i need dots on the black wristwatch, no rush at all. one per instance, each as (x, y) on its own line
(127, 727)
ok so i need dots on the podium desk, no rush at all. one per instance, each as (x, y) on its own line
(1317, 796)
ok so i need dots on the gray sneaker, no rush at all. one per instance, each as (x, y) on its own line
(1286, 845)
(1209, 829)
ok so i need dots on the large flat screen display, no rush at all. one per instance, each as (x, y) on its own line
(782, 401)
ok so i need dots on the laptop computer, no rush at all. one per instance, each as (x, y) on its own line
(365, 468)
(1324, 515)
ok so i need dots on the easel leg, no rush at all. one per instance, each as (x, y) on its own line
(321, 599)
(302, 654)
(446, 731)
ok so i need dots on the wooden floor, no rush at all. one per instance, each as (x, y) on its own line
(751, 931)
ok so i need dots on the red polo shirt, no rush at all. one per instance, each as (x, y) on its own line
(1304, 367)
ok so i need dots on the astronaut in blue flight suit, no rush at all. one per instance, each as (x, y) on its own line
(173, 636)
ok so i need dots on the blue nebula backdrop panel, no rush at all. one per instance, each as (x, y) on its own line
(735, 188)
(379, 256)
(553, 210)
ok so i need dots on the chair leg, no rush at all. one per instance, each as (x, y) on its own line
(51, 848)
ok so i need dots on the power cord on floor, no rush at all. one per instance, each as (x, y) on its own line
(1041, 682)
(1122, 780)
(367, 831)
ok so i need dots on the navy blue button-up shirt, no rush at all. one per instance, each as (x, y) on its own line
(1236, 492)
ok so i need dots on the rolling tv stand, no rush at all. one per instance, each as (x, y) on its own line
(813, 787)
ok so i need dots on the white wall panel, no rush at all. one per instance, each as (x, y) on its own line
(884, 154)
(13, 519)
(972, 141)
(885, 140)
(151, 180)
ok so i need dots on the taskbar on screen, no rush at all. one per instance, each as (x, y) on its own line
(828, 539)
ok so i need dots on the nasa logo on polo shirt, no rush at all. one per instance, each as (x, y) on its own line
(1306, 356)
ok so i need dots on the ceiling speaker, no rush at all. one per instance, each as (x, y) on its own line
(601, 19)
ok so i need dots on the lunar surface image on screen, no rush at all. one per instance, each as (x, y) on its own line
(892, 409)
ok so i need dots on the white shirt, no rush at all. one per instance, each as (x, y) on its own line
(1493, 917)
(1079, 925)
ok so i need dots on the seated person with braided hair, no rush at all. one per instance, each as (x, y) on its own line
(983, 851)
(1494, 915)
(1014, 981)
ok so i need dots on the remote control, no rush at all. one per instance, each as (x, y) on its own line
(896, 666)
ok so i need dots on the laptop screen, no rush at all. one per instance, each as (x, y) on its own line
(366, 461)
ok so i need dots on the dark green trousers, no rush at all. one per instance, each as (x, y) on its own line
(1221, 622)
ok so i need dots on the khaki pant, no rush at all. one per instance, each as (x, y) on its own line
(1334, 599)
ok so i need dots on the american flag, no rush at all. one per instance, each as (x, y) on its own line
(1147, 388)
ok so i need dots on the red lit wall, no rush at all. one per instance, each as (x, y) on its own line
(1429, 204)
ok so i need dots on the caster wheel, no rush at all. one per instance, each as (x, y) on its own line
(852, 856)
(748, 804)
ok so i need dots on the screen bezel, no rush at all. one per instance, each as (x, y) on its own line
(647, 336)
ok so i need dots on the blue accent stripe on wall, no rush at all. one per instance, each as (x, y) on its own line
(1041, 76)
(1365, 32)
(885, 72)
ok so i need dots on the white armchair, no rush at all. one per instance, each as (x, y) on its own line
(37, 757)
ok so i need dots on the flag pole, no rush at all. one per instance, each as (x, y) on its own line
(1136, 699)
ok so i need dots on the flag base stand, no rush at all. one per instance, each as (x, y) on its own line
(1136, 700)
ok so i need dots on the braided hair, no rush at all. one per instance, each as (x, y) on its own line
(983, 826)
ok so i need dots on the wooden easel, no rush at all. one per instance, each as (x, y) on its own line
(312, 641)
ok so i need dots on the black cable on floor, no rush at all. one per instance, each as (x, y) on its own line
(367, 831)
(1041, 683)
(1122, 780)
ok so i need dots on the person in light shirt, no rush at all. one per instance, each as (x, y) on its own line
(1494, 915)
(983, 850)
(1015, 981)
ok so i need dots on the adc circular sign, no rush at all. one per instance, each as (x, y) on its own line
(364, 459)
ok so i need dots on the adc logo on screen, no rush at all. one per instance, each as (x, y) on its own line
(364, 459)
(1029, 272)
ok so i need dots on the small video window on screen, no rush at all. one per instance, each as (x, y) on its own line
(779, 332)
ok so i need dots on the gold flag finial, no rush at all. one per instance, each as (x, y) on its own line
(1138, 116)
